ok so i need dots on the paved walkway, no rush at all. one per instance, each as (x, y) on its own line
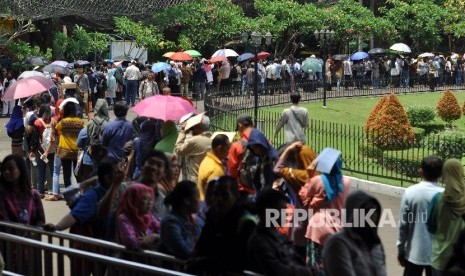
(54, 211)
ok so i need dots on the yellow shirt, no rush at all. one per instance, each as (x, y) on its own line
(211, 167)
(69, 129)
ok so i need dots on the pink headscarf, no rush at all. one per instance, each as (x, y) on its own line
(129, 204)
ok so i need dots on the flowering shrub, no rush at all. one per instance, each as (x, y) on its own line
(390, 128)
(448, 107)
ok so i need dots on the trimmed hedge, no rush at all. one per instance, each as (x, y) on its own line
(448, 107)
(447, 144)
(404, 162)
(420, 114)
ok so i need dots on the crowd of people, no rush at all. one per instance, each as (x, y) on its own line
(176, 188)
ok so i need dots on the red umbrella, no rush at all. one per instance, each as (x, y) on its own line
(27, 87)
(263, 55)
(180, 56)
(218, 59)
(166, 108)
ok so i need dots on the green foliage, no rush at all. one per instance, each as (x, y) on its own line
(80, 43)
(370, 150)
(21, 50)
(448, 144)
(448, 107)
(419, 21)
(350, 20)
(143, 34)
(418, 114)
(203, 22)
(405, 162)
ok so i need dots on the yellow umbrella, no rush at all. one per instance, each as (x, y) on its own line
(169, 54)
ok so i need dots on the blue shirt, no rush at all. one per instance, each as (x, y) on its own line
(82, 143)
(414, 239)
(86, 208)
(179, 235)
(115, 135)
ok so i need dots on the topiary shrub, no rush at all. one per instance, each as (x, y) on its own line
(447, 144)
(418, 114)
(448, 107)
(374, 113)
(390, 128)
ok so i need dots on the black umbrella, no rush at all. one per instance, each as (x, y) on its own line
(377, 51)
(340, 57)
(36, 61)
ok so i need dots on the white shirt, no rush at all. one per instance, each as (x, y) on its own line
(132, 73)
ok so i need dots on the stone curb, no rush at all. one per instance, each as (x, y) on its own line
(375, 187)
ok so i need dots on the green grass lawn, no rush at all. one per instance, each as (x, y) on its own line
(355, 111)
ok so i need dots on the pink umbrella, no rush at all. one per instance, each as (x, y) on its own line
(166, 108)
(27, 87)
(180, 56)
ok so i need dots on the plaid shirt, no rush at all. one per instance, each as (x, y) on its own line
(13, 208)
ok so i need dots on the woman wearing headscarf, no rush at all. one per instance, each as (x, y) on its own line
(447, 215)
(323, 194)
(136, 226)
(291, 166)
(357, 249)
(267, 156)
(169, 133)
(15, 130)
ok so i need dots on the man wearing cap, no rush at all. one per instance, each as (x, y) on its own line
(132, 76)
(193, 143)
(244, 125)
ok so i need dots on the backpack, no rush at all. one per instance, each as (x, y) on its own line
(101, 82)
(94, 131)
(172, 79)
(46, 134)
(248, 171)
(234, 74)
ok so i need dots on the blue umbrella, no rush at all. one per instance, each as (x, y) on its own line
(245, 56)
(359, 55)
(160, 66)
(311, 65)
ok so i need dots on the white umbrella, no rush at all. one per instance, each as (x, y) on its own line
(401, 47)
(28, 74)
(426, 55)
(225, 53)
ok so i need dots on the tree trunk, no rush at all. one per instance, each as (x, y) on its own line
(287, 46)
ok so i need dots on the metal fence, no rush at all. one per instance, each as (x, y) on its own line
(362, 153)
(33, 251)
(233, 98)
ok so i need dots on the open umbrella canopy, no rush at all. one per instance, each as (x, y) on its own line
(426, 55)
(57, 69)
(180, 56)
(359, 55)
(60, 62)
(400, 47)
(28, 74)
(24, 88)
(311, 65)
(377, 51)
(36, 61)
(245, 56)
(263, 55)
(193, 53)
(160, 66)
(81, 62)
(217, 59)
(168, 54)
(225, 53)
(166, 108)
